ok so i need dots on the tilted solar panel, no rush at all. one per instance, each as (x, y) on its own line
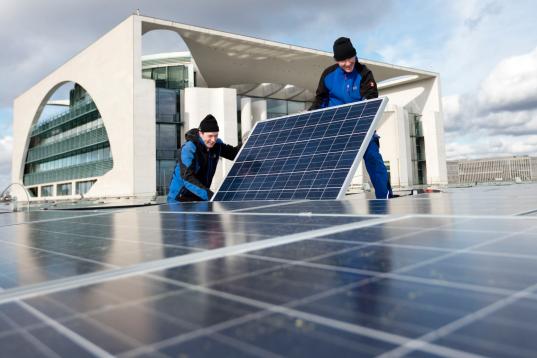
(311, 155)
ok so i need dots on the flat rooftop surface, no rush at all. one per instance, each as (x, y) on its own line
(443, 274)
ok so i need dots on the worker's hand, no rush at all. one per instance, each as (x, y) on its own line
(209, 194)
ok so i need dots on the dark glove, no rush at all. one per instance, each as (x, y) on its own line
(209, 194)
(376, 138)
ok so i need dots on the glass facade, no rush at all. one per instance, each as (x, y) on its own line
(281, 107)
(33, 192)
(75, 159)
(170, 77)
(169, 81)
(47, 190)
(167, 136)
(418, 149)
(164, 172)
(68, 146)
(275, 108)
(82, 187)
(168, 131)
(58, 135)
(64, 189)
(167, 105)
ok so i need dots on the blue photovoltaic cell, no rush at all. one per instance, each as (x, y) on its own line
(200, 279)
(306, 156)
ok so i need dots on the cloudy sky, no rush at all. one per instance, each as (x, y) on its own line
(485, 51)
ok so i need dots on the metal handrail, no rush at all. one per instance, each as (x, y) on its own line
(64, 117)
(95, 166)
(75, 142)
(2, 195)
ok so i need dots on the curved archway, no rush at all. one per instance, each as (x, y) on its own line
(67, 147)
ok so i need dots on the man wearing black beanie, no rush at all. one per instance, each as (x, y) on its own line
(209, 124)
(350, 81)
(198, 157)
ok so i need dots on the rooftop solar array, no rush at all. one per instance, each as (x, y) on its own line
(311, 155)
(433, 275)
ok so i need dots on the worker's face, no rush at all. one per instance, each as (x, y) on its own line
(347, 65)
(209, 138)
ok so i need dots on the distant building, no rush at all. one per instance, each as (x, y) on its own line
(489, 170)
(127, 113)
(453, 171)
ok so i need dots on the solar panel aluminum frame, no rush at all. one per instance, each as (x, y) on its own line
(361, 151)
(367, 139)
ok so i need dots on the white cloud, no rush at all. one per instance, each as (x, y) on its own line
(452, 109)
(490, 103)
(461, 39)
(492, 8)
(512, 84)
(501, 117)
(475, 146)
(397, 53)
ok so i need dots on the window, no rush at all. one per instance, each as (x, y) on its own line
(177, 77)
(295, 107)
(47, 190)
(160, 73)
(82, 187)
(57, 135)
(167, 136)
(276, 108)
(64, 189)
(146, 73)
(166, 105)
(165, 170)
(33, 191)
(107, 154)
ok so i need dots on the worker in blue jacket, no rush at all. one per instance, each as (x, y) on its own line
(198, 157)
(350, 81)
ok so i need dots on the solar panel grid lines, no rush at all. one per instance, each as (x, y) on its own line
(434, 283)
(62, 215)
(73, 336)
(311, 263)
(449, 328)
(198, 256)
(303, 130)
(413, 268)
(310, 156)
(290, 310)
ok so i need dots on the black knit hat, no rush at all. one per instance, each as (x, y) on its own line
(343, 49)
(209, 124)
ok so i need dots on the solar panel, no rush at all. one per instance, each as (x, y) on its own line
(450, 278)
(311, 155)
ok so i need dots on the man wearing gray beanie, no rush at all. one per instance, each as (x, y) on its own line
(198, 158)
(350, 81)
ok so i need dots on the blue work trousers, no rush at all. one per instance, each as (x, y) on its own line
(377, 170)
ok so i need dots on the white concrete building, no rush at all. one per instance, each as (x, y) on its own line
(239, 79)
(492, 170)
